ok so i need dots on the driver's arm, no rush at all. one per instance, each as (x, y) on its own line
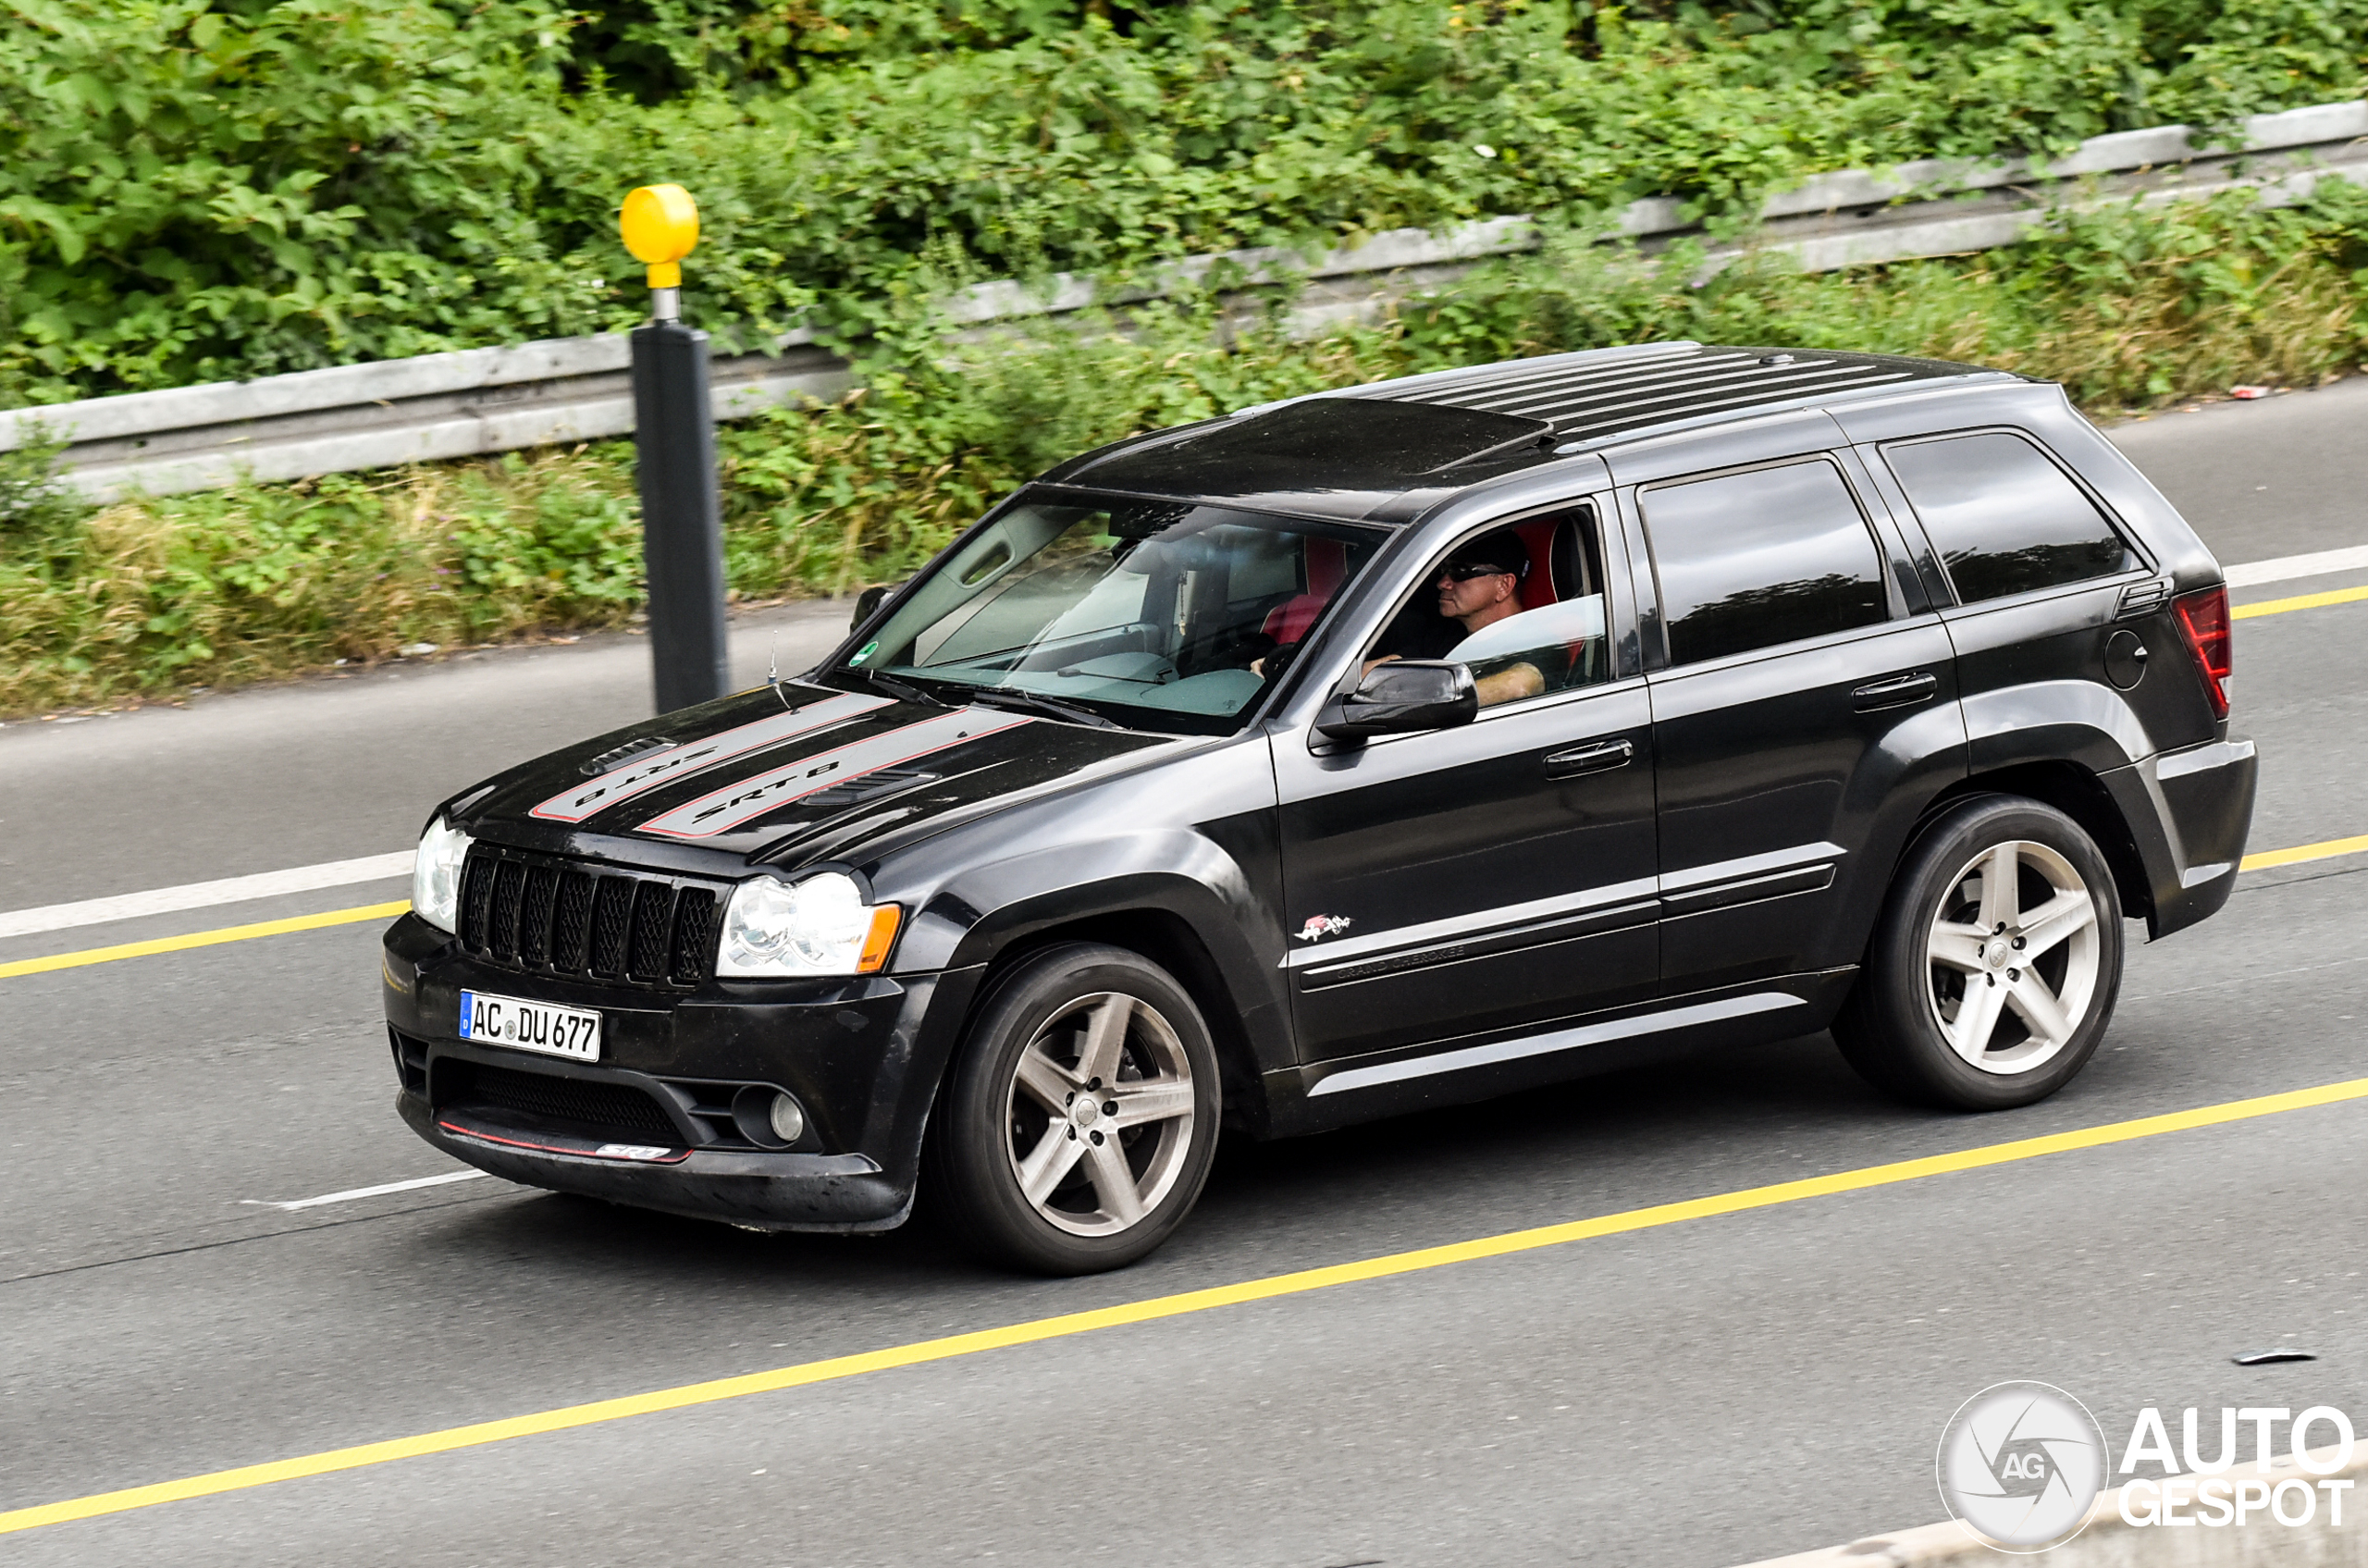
(1510, 684)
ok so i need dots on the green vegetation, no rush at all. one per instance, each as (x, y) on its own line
(200, 190)
(144, 599)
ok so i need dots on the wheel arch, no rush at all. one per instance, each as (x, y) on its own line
(1168, 940)
(2072, 789)
(1164, 924)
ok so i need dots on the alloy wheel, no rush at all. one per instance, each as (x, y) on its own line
(1099, 1114)
(2013, 958)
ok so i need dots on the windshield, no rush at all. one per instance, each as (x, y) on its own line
(1157, 615)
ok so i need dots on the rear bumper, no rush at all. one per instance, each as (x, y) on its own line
(2190, 811)
(651, 1123)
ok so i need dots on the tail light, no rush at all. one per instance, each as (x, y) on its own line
(2203, 624)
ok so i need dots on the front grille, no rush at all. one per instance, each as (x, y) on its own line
(589, 1107)
(552, 915)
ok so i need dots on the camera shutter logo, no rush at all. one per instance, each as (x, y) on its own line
(2022, 1464)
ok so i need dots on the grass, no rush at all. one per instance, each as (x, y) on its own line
(147, 598)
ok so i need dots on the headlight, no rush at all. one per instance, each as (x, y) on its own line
(820, 926)
(436, 875)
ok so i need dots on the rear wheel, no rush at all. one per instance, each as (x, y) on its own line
(1996, 963)
(1081, 1118)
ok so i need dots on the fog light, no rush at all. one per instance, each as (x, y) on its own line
(768, 1117)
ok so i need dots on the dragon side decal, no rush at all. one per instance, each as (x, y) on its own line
(723, 809)
(648, 771)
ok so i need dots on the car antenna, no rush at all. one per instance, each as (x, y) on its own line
(772, 667)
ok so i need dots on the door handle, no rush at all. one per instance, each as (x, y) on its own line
(1897, 692)
(1593, 759)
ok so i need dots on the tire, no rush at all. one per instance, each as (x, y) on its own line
(1024, 1165)
(2039, 966)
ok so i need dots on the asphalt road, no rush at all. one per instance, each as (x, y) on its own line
(1697, 1394)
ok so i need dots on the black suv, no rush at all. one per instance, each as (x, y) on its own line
(1354, 754)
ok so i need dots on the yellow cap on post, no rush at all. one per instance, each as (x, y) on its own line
(660, 224)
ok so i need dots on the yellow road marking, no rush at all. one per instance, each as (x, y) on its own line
(2327, 850)
(1157, 1307)
(203, 939)
(2299, 601)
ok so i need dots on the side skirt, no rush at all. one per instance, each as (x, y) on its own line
(1450, 1072)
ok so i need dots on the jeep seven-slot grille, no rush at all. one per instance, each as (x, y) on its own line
(552, 915)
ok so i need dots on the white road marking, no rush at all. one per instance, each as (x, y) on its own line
(347, 1197)
(2286, 568)
(373, 868)
(204, 895)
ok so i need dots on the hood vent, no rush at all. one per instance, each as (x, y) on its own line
(617, 757)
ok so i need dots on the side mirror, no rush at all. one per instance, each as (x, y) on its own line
(1403, 696)
(868, 600)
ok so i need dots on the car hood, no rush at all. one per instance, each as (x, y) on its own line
(782, 772)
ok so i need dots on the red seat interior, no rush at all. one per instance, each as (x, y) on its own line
(1537, 535)
(1328, 561)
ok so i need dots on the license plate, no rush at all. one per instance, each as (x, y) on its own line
(530, 1026)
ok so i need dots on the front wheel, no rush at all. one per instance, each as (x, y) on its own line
(1081, 1118)
(1996, 963)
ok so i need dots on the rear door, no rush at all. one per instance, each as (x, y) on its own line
(1805, 708)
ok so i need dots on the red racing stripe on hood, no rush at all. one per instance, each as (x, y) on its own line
(680, 762)
(723, 809)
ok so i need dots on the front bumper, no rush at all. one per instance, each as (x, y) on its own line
(652, 1123)
(2190, 811)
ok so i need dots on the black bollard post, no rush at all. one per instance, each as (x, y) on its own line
(681, 510)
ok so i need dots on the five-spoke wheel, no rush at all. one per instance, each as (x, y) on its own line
(1101, 1110)
(2013, 955)
(1996, 963)
(1081, 1117)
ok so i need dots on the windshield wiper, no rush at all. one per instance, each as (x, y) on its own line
(1012, 696)
(904, 690)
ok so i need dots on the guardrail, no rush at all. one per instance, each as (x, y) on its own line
(478, 400)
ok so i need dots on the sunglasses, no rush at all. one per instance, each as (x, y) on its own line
(1465, 571)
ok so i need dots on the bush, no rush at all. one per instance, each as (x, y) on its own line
(194, 192)
(146, 598)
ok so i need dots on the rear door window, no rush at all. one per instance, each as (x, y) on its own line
(2002, 517)
(1773, 555)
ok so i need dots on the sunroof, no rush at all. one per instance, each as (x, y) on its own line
(1332, 443)
(1404, 440)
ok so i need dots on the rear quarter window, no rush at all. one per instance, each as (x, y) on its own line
(1750, 560)
(2004, 518)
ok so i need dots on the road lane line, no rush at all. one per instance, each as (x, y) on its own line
(2286, 568)
(2299, 601)
(204, 895)
(203, 939)
(352, 1194)
(373, 868)
(2326, 850)
(1156, 1308)
(2262, 861)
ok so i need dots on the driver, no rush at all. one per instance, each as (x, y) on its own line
(1478, 585)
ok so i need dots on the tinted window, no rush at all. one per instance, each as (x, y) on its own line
(1761, 558)
(2004, 519)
